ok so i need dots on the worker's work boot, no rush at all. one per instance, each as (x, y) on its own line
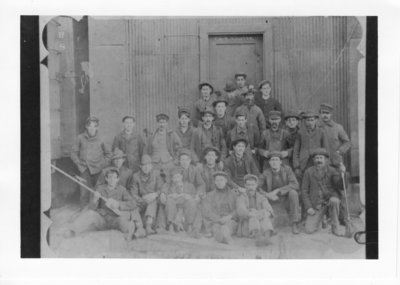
(295, 229)
(335, 231)
(130, 234)
(149, 226)
(140, 233)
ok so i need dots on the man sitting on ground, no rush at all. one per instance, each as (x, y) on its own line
(111, 207)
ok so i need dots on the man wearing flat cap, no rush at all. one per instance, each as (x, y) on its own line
(322, 192)
(264, 100)
(131, 142)
(273, 139)
(208, 134)
(292, 126)
(90, 154)
(125, 174)
(207, 99)
(222, 118)
(145, 189)
(219, 209)
(211, 157)
(254, 212)
(243, 130)
(235, 99)
(309, 139)
(280, 186)
(253, 113)
(186, 131)
(238, 164)
(339, 142)
(163, 146)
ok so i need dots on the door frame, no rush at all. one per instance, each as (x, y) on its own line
(205, 31)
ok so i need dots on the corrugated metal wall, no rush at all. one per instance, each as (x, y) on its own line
(310, 64)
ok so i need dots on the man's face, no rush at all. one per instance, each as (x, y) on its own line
(208, 119)
(310, 123)
(177, 178)
(240, 81)
(112, 179)
(220, 181)
(239, 148)
(249, 98)
(241, 121)
(319, 160)
(184, 120)
(205, 92)
(118, 162)
(326, 115)
(220, 108)
(92, 128)
(292, 123)
(251, 186)
(184, 160)
(211, 157)
(146, 168)
(231, 94)
(275, 163)
(162, 124)
(275, 123)
(129, 124)
(266, 90)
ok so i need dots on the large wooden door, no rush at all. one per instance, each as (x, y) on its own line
(233, 53)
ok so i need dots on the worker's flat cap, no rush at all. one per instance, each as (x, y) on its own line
(118, 154)
(238, 140)
(292, 114)
(240, 73)
(229, 87)
(310, 114)
(320, 151)
(128, 117)
(183, 110)
(326, 107)
(250, 177)
(274, 114)
(204, 83)
(211, 148)
(208, 110)
(262, 83)
(162, 116)
(220, 173)
(92, 119)
(220, 99)
(274, 154)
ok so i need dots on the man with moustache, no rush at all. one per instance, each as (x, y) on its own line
(253, 113)
(273, 139)
(207, 99)
(209, 135)
(339, 142)
(130, 142)
(321, 192)
(309, 139)
(163, 146)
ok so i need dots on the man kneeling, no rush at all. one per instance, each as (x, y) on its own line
(219, 208)
(254, 213)
(111, 207)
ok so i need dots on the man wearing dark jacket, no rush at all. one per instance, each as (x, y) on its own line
(238, 165)
(265, 101)
(309, 139)
(321, 192)
(281, 188)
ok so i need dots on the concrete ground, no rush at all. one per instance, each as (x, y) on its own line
(111, 243)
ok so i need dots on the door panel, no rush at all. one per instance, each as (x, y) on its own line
(231, 54)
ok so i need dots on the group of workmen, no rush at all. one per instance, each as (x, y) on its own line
(232, 160)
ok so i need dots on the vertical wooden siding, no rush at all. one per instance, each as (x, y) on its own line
(310, 65)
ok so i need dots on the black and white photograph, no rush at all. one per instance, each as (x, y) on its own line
(203, 137)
